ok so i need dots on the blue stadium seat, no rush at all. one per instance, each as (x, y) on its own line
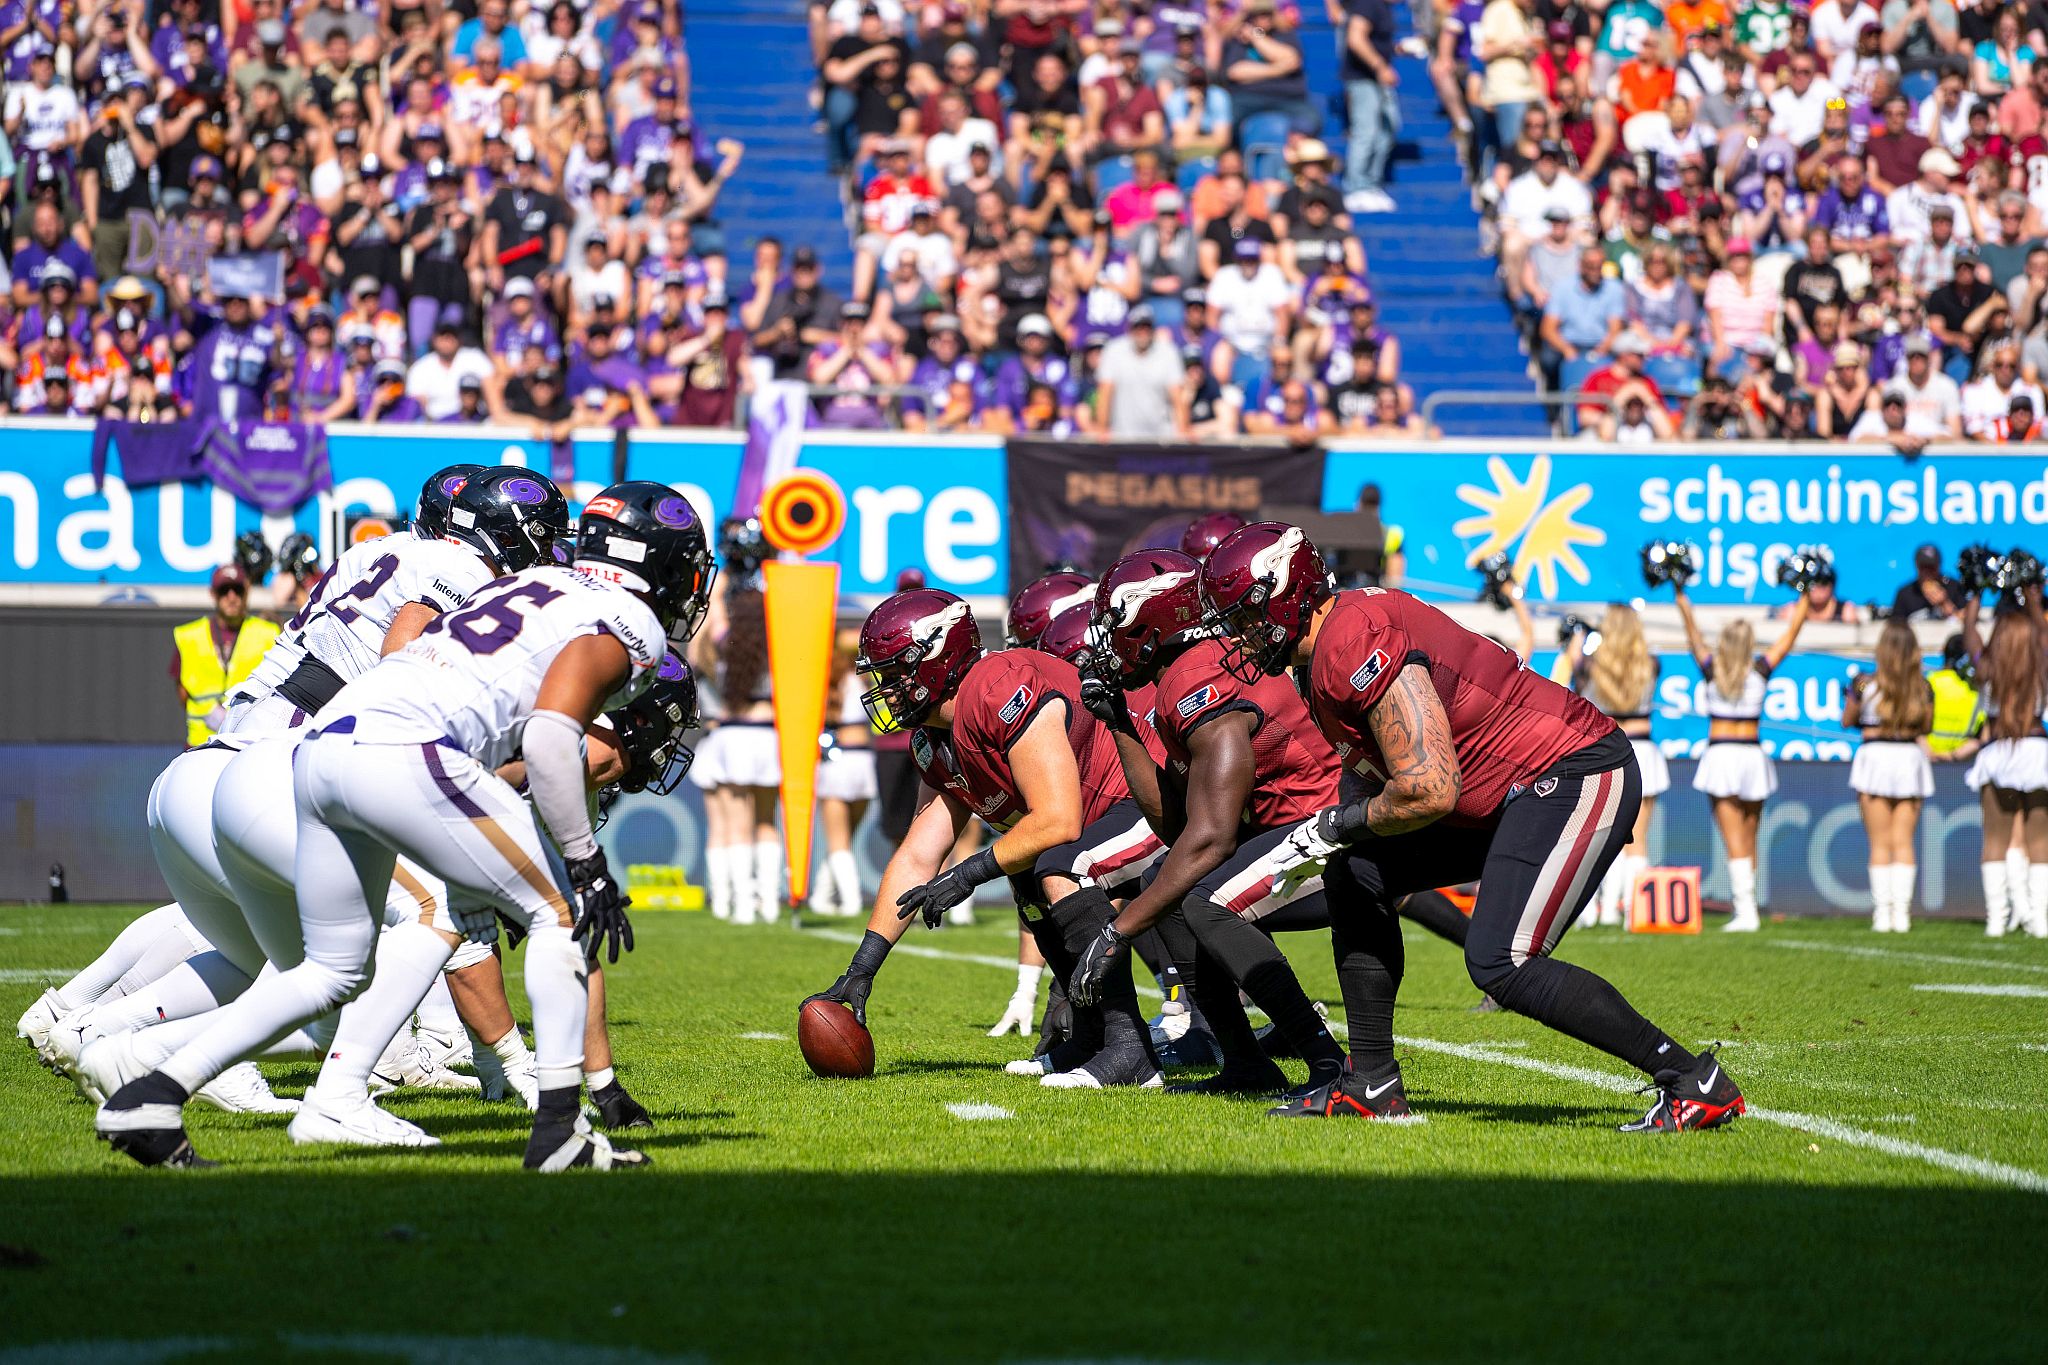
(1112, 173)
(1264, 139)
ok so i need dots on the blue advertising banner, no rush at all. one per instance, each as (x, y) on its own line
(1575, 517)
(1802, 706)
(933, 503)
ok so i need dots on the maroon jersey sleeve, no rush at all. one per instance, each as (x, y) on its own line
(999, 699)
(1508, 725)
(1295, 767)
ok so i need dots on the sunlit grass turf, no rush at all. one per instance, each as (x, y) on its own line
(790, 1217)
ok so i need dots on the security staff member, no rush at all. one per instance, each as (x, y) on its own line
(217, 651)
(1958, 710)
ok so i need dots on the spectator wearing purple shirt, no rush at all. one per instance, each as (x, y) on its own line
(48, 242)
(384, 397)
(951, 388)
(1852, 212)
(470, 408)
(1034, 363)
(660, 136)
(524, 336)
(40, 24)
(852, 365)
(234, 364)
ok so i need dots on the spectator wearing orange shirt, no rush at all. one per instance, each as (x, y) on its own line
(1687, 17)
(1645, 81)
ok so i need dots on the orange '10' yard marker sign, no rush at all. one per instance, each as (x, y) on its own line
(1665, 900)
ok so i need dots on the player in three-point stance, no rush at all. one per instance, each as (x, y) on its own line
(1477, 769)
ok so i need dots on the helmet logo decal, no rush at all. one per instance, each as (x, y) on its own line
(1276, 561)
(453, 484)
(604, 506)
(1128, 597)
(929, 630)
(674, 512)
(527, 492)
(671, 667)
(1079, 598)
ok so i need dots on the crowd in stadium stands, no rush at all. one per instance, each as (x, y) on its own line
(1760, 220)
(1096, 216)
(480, 209)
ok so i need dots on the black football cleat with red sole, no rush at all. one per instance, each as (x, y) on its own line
(1348, 1095)
(1700, 1097)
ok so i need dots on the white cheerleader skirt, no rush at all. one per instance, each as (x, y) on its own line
(1656, 772)
(738, 755)
(2019, 765)
(1892, 768)
(1743, 771)
(847, 775)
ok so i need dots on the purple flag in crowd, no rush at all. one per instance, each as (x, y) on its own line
(271, 465)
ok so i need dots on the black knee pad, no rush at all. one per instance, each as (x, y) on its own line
(1079, 918)
(1487, 970)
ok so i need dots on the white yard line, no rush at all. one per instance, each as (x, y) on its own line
(758, 1036)
(2028, 992)
(1960, 1163)
(978, 1113)
(1897, 955)
(35, 976)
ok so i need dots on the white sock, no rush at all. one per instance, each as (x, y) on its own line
(2037, 900)
(768, 879)
(1997, 892)
(718, 871)
(166, 922)
(436, 1011)
(557, 990)
(272, 1008)
(410, 957)
(1632, 867)
(739, 871)
(1881, 897)
(1027, 981)
(1905, 878)
(1604, 897)
(2016, 881)
(203, 982)
(1742, 889)
(599, 1079)
(844, 869)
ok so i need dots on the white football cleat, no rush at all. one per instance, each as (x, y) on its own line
(241, 1089)
(1027, 1066)
(68, 1039)
(409, 1064)
(106, 1065)
(1080, 1078)
(355, 1122)
(446, 1051)
(35, 1025)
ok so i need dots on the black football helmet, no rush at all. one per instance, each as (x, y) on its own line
(651, 541)
(430, 520)
(512, 515)
(299, 555)
(651, 727)
(252, 552)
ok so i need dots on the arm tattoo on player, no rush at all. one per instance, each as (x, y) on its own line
(1414, 737)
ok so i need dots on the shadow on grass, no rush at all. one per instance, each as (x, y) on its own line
(779, 1266)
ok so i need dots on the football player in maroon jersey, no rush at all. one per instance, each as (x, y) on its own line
(1476, 768)
(1003, 736)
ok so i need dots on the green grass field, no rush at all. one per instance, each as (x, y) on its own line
(1890, 1199)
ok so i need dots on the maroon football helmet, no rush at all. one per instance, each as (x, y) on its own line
(1263, 584)
(1207, 531)
(1067, 636)
(1147, 602)
(916, 646)
(1034, 606)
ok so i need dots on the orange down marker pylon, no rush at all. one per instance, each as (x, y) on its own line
(801, 514)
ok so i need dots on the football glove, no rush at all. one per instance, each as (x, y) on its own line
(1023, 1006)
(948, 889)
(1102, 695)
(478, 922)
(853, 985)
(1305, 844)
(1098, 959)
(600, 909)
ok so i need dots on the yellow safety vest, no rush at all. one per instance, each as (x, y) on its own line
(200, 673)
(1958, 711)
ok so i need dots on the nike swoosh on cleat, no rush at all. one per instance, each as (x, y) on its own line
(1706, 1086)
(1373, 1094)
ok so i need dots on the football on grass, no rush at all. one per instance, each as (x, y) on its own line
(834, 1043)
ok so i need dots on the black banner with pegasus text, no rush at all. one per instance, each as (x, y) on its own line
(1089, 503)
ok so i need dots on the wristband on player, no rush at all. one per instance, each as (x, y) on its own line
(868, 958)
(1344, 824)
(979, 867)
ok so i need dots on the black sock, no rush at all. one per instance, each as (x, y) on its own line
(1436, 912)
(1215, 998)
(1151, 947)
(1575, 1002)
(1274, 988)
(1366, 943)
(1080, 918)
(155, 1088)
(557, 1106)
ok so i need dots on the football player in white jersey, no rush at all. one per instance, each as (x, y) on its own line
(140, 979)
(404, 760)
(376, 598)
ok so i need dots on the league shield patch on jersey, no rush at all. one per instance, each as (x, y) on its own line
(921, 750)
(1196, 700)
(1015, 706)
(1369, 670)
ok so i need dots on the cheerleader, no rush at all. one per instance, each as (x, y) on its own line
(1894, 710)
(2009, 769)
(1735, 771)
(739, 767)
(1620, 677)
(846, 784)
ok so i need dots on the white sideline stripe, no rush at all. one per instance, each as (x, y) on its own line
(1959, 1162)
(2029, 992)
(1894, 955)
(972, 1113)
(35, 976)
(2034, 1047)
(410, 1348)
(759, 1037)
